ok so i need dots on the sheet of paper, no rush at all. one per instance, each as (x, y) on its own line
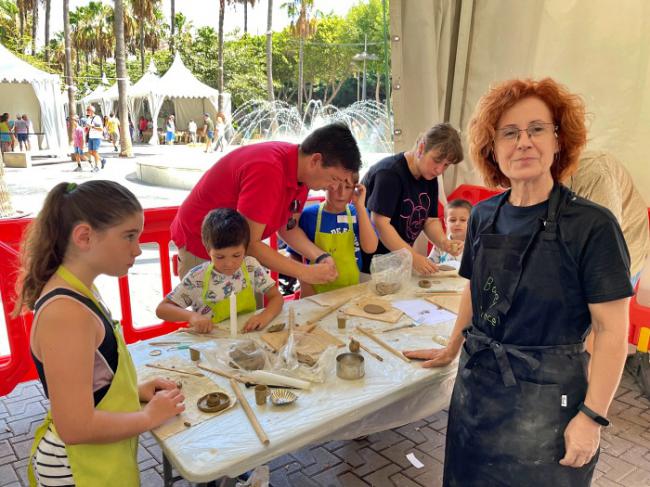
(423, 312)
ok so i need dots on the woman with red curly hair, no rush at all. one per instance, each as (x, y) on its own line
(544, 267)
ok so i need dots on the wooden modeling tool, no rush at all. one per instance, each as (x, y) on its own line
(249, 413)
(178, 371)
(366, 349)
(326, 312)
(383, 344)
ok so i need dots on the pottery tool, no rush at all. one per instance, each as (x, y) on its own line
(435, 292)
(366, 349)
(233, 315)
(162, 344)
(222, 373)
(178, 371)
(400, 327)
(249, 413)
(383, 344)
(327, 311)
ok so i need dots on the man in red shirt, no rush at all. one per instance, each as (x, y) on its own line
(268, 183)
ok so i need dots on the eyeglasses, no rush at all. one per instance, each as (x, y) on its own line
(534, 130)
(293, 207)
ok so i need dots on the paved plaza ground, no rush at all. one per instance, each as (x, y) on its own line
(378, 460)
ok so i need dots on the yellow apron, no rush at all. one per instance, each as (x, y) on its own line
(221, 310)
(341, 247)
(106, 464)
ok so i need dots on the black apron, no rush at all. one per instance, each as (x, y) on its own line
(513, 397)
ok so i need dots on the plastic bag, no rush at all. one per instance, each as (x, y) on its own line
(292, 362)
(239, 355)
(390, 271)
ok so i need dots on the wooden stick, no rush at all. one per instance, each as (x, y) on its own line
(160, 344)
(327, 311)
(363, 347)
(154, 366)
(222, 373)
(438, 293)
(249, 413)
(383, 344)
(399, 327)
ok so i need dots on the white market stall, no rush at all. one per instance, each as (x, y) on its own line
(26, 89)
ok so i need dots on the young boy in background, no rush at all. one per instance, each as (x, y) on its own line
(340, 226)
(206, 288)
(456, 217)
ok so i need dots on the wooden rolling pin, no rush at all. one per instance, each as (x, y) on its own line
(383, 344)
(249, 413)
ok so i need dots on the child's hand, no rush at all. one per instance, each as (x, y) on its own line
(359, 196)
(454, 247)
(147, 389)
(256, 322)
(201, 323)
(164, 405)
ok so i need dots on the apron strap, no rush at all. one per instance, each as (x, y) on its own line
(502, 350)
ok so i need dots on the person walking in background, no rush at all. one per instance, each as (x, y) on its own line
(220, 132)
(21, 129)
(142, 126)
(191, 128)
(6, 136)
(113, 126)
(78, 143)
(208, 130)
(94, 132)
(170, 129)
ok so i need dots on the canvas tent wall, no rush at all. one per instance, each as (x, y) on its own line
(26, 89)
(446, 53)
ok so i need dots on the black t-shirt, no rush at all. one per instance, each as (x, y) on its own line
(392, 191)
(589, 231)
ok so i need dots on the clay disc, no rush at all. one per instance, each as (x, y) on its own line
(374, 309)
(446, 267)
(155, 353)
(275, 328)
(213, 402)
(424, 283)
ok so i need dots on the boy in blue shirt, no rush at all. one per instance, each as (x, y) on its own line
(340, 226)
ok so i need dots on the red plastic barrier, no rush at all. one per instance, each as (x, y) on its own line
(18, 366)
(472, 193)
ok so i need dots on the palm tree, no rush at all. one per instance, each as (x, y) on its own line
(48, 6)
(68, 62)
(269, 51)
(9, 19)
(144, 11)
(122, 85)
(103, 25)
(246, 2)
(35, 5)
(172, 21)
(303, 25)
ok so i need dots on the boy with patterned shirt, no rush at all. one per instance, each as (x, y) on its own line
(207, 288)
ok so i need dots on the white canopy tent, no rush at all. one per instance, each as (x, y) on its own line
(26, 89)
(191, 97)
(98, 97)
(446, 53)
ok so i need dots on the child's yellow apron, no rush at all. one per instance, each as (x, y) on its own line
(221, 310)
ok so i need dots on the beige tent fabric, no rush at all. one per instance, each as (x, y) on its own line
(597, 48)
(602, 179)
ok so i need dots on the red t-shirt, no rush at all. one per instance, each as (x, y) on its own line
(259, 180)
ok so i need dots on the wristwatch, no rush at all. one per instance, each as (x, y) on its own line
(321, 258)
(593, 415)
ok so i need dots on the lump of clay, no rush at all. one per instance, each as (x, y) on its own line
(384, 288)
(247, 355)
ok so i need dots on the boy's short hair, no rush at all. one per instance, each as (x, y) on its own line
(224, 227)
(458, 203)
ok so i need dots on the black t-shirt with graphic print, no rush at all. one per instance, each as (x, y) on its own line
(392, 191)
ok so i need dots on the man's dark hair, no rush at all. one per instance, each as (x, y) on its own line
(336, 144)
(224, 227)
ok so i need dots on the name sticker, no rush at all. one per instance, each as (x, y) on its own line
(564, 400)
(344, 219)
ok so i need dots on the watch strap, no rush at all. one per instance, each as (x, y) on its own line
(321, 258)
(593, 415)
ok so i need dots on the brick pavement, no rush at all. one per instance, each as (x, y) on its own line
(378, 460)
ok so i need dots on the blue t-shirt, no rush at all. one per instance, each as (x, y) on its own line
(330, 223)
